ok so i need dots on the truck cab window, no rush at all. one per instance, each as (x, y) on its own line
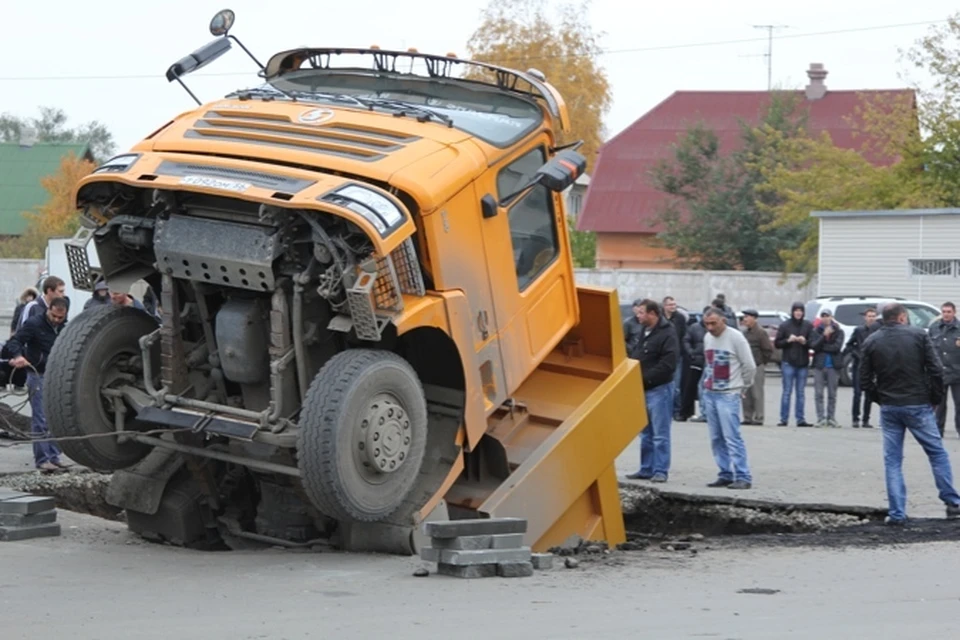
(533, 231)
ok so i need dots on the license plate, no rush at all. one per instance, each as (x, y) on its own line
(215, 183)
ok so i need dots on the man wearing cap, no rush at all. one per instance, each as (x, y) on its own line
(827, 362)
(101, 295)
(762, 349)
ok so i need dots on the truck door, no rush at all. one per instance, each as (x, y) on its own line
(529, 263)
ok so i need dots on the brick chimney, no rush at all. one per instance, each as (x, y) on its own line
(816, 89)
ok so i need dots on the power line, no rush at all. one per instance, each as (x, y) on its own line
(668, 47)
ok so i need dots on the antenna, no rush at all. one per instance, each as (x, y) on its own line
(769, 54)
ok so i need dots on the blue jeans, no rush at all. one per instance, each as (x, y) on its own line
(677, 377)
(920, 420)
(722, 411)
(42, 451)
(794, 379)
(655, 439)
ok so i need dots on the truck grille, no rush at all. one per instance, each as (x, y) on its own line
(364, 144)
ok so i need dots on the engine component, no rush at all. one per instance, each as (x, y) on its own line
(242, 341)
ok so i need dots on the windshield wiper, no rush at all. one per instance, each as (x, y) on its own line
(423, 114)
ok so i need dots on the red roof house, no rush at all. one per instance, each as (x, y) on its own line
(622, 205)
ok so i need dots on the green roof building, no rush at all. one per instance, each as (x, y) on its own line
(21, 169)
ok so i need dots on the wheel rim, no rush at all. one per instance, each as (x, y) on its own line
(111, 373)
(382, 438)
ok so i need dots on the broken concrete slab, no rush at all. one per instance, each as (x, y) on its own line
(27, 504)
(467, 571)
(542, 561)
(27, 520)
(12, 534)
(474, 527)
(462, 542)
(514, 569)
(8, 494)
(473, 557)
(506, 541)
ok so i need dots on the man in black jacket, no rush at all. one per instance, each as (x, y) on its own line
(794, 338)
(826, 368)
(658, 352)
(632, 329)
(692, 348)
(901, 371)
(30, 347)
(854, 350)
(946, 338)
(679, 322)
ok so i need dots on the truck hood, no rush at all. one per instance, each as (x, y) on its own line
(328, 138)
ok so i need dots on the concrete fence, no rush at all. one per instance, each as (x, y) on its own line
(696, 289)
(15, 276)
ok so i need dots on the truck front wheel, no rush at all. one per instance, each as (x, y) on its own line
(94, 349)
(363, 432)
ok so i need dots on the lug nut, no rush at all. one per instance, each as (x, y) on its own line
(376, 452)
(361, 446)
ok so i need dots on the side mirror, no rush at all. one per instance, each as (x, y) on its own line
(221, 23)
(562, 170)
(198, 59)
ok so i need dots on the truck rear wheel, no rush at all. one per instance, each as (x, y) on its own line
(363, 432)
(86, 357)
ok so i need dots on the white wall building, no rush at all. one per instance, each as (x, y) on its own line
(908, 253)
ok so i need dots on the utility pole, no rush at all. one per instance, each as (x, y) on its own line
(769, 54)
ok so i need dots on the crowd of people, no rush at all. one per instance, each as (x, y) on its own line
(37, 322)
(908, 371)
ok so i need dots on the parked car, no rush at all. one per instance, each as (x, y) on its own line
(848, 312)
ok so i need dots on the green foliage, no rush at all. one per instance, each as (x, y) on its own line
(716, 218)
(583, 246)
(51, 126)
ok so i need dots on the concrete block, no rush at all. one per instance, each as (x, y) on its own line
(506, 541)
(479, 556)
(7, 494)
(474, 527)
(27, 504)
(11, 534)
(514, 569)
(463, 542)
(542, 561)
(24, 520)
(468, 571)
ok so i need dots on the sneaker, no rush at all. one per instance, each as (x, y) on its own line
(804, 423)
(833, 424)
(953, 511)
(856, 424)
(867, 425)
(820, 424)
(659, 478)
(890, 522)
(720, 482)
(739, 484)
(638, 476)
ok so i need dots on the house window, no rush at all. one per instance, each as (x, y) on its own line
(923, 267)
(533, 231)
(576, 201)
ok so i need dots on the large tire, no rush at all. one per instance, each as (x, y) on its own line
(72, 403)
(363, 432)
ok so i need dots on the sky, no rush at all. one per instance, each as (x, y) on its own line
(105, 60)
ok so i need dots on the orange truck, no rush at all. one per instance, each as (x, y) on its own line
(367, 307)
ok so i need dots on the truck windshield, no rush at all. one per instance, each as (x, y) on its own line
(493, 116)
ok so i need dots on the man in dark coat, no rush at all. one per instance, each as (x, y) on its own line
(658, 352)
(902, 373)
(794, 339)
(946, 339)
(827, 363)
(854, 350)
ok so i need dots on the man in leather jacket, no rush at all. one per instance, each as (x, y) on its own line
(900, 370)
(658, 352)
(946, 339)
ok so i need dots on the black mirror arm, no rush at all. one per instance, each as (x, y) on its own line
(573, 146)
(509, 199)
(246, 51)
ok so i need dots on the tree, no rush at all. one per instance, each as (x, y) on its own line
(518, 34)
(583, 245)
(51, 126)
(715, 217)
(57, 217)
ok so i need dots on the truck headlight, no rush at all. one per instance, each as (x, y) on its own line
(118, 164)
(376, 208)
